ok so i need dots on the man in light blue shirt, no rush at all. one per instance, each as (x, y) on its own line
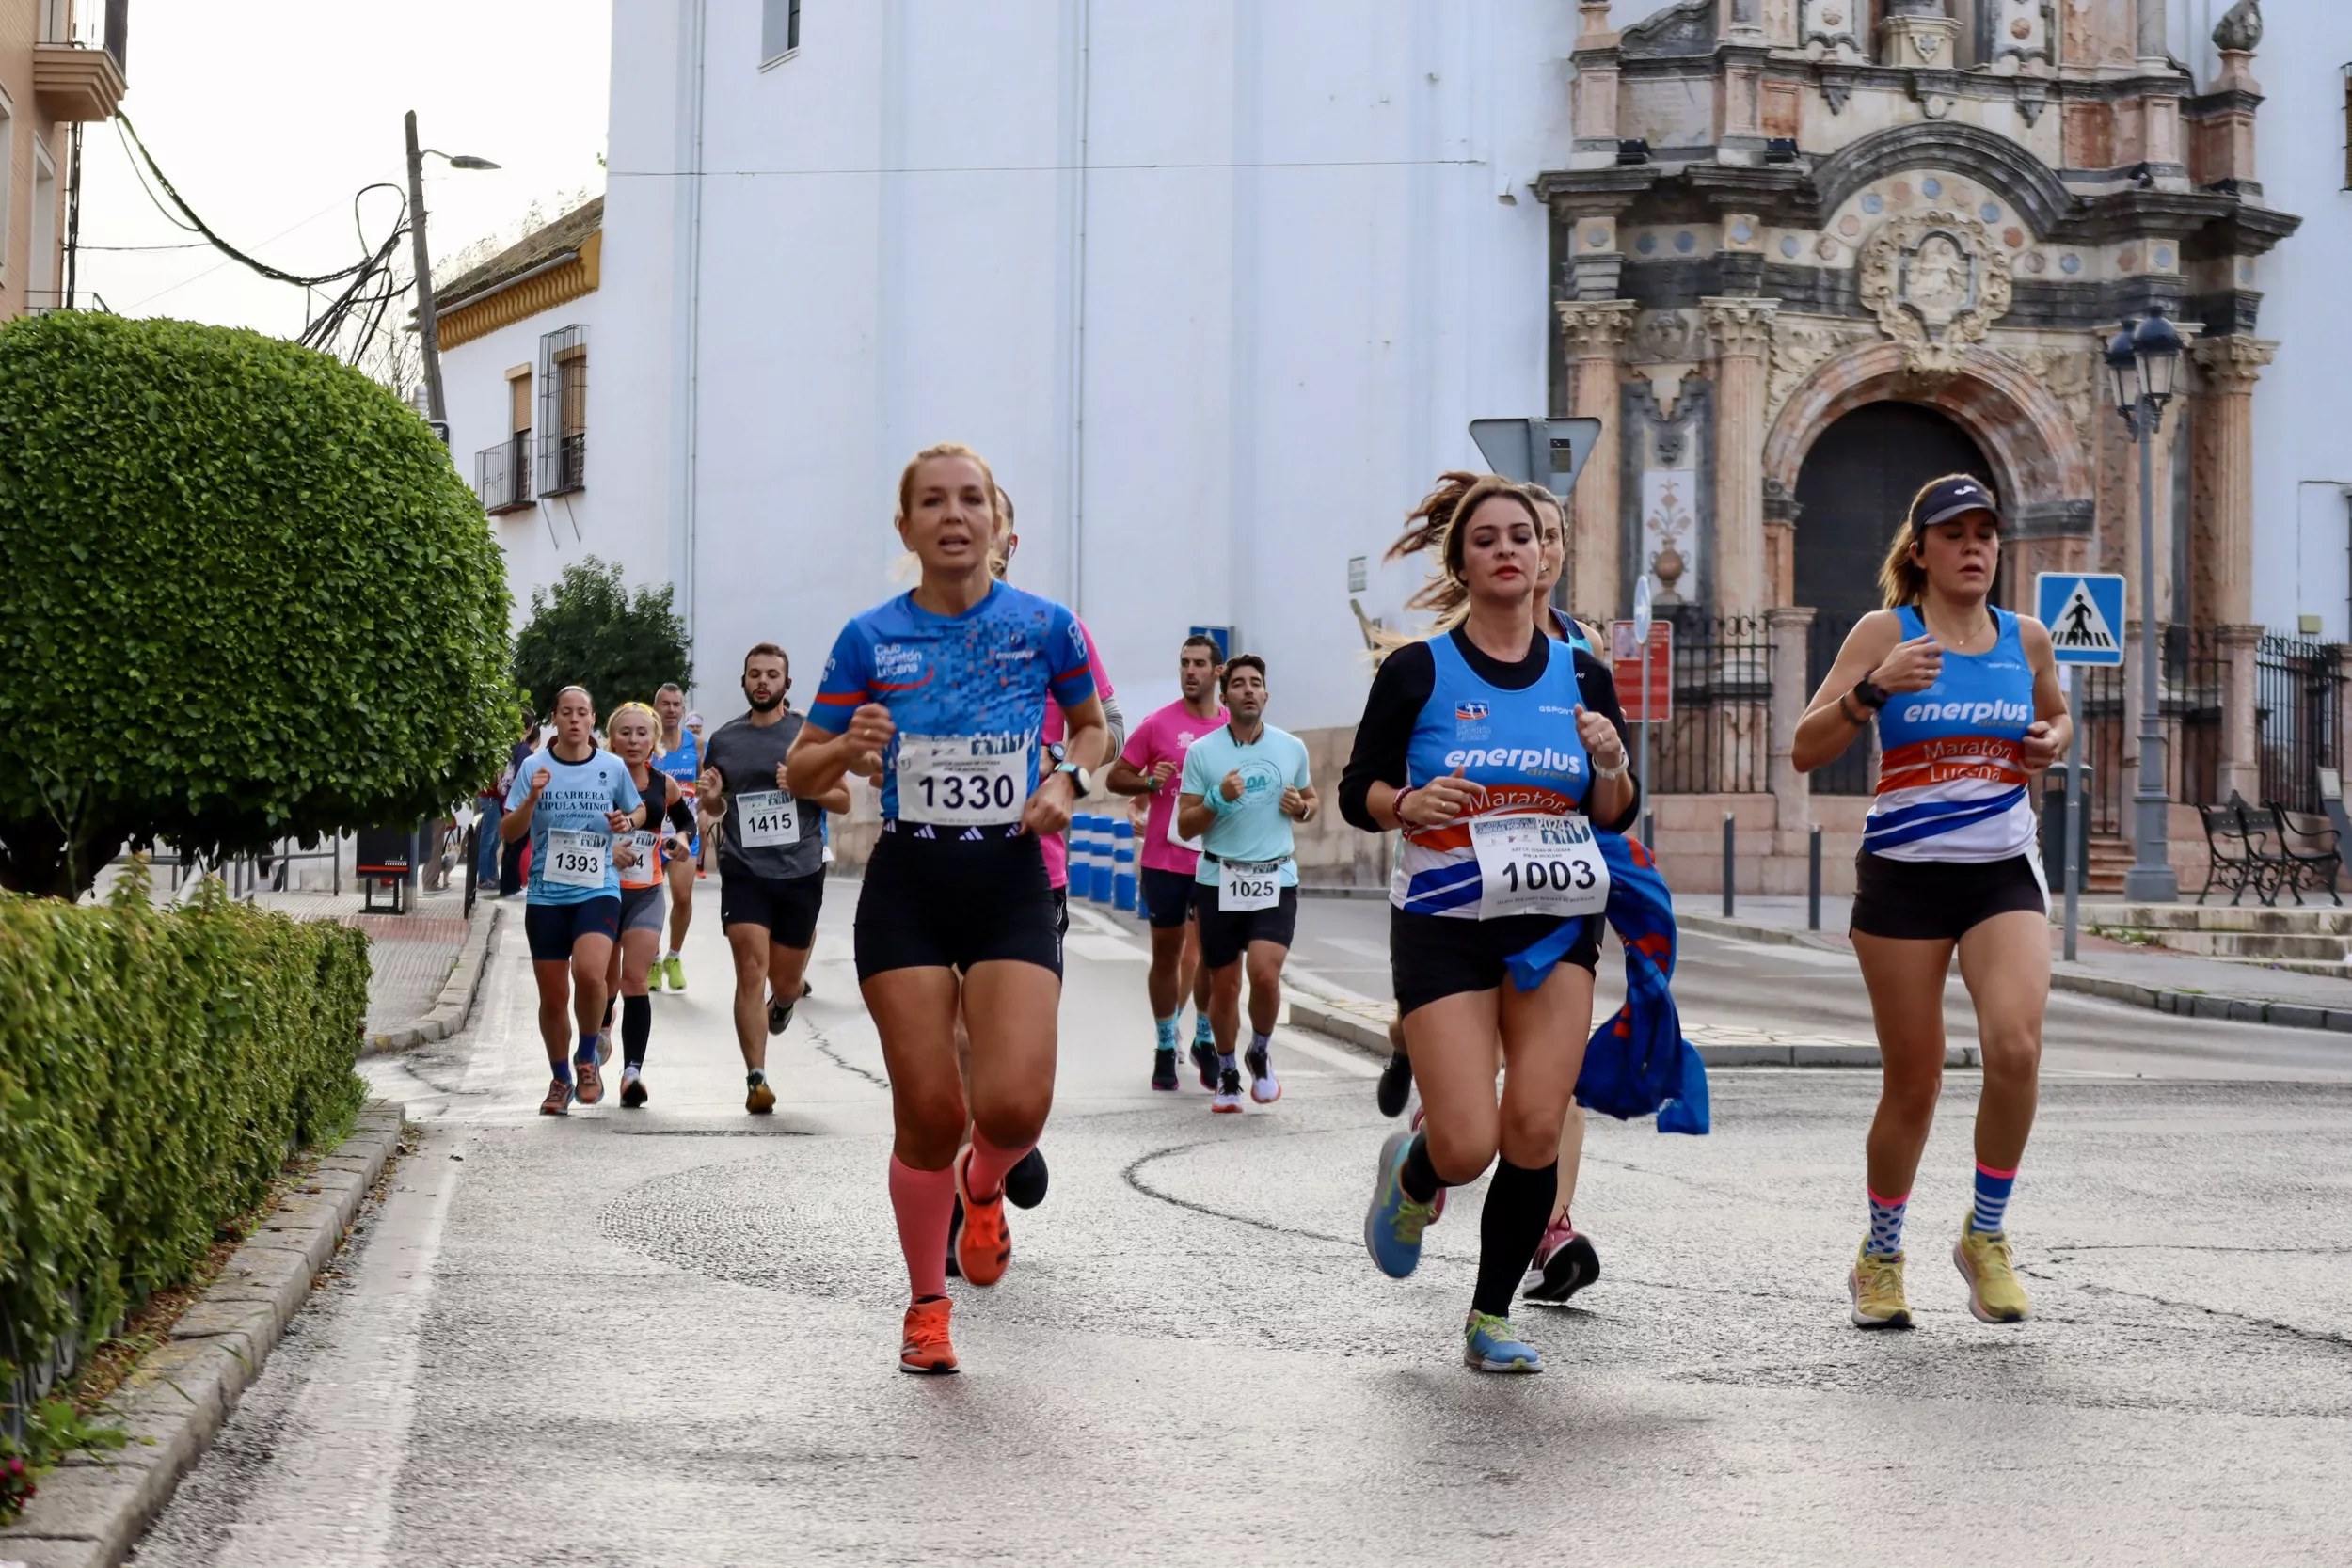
(1244, 787)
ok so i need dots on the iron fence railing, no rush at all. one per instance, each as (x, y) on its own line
(1719, 737)
(2296, 697)
(2192, 676)
(1850, 773)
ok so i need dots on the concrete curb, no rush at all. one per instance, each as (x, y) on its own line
(1367, 1030)
(92, 1509)
(2188, 1004)
(449, 1011)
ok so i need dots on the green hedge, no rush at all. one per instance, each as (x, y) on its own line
(155, 1068)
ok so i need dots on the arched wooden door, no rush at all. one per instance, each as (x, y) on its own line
(1854, 492)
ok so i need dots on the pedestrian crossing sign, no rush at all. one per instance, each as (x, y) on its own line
(2084, 611)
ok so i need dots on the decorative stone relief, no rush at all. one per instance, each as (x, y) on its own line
(1801, 345)
(2021, 34)
(2231, 364)
(1668, 513)
(1740, 327)
(1670, 531)
(1664, 337)
(2071, 376)
(1937, 282)
(1830, 26)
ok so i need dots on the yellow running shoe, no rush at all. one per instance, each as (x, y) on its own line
(673, 971)
(1876, 1284)
(1994, 1295)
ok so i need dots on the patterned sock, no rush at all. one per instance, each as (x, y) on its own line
(1167, 1027)
(923, 1200)
(1993, 1188)
(1201, 1033)
(1258, 1041)
(1886, 1225)
(1225, 1062)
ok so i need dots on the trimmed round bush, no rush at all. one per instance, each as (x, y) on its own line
(250, 599)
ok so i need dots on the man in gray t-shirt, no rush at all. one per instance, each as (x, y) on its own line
(772, 864)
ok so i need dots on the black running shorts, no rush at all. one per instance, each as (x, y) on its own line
(553, 929)
(1167, 896)
(1432, 957)
(1940, 900)
(786, 906)
(1224, 938)
(948, 904)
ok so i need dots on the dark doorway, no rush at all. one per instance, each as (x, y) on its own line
(1853, 491)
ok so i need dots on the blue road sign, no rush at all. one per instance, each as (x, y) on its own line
(2084, 611)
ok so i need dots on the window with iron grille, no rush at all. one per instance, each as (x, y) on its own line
(502, 473)
(779, 29)
(564, 410)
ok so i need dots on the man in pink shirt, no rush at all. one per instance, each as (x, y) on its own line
(1151, 764)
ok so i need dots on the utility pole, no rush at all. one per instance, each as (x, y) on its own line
(428, 331)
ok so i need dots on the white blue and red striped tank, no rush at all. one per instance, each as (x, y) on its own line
(1522, 745)
(1951, 766)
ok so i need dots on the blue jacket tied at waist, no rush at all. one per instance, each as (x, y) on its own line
(1637, 1064)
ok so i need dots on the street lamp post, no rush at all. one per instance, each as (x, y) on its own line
(428, 330)
(2144, 358)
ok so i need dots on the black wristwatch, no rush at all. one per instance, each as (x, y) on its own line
(1868, 695)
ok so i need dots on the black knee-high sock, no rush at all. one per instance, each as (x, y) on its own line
(1518, 1201)
(636, 1028)
(1419, 1177)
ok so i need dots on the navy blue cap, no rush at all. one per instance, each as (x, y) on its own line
(1947, 499)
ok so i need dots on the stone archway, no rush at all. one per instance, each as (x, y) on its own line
(2042, 469)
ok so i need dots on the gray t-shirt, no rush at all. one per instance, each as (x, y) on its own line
(778, 836)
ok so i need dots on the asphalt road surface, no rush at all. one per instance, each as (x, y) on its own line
(668, 1336)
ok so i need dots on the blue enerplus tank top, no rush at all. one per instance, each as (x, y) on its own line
(1951, 767)
(1522, 745)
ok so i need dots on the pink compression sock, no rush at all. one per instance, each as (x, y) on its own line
(986, 1177)
(924, 1201)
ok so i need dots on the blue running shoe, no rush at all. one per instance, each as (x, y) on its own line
(1490, 1344)
(1204, 1062)
(1393, 1223)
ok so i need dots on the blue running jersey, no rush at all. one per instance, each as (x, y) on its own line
(968, 694)
(1522, 745)
(1952, 781)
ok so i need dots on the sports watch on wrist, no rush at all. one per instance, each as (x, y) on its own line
(1868, 695)
(1078, 776)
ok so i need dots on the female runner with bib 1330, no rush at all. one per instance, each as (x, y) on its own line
(1481, 745)
(1966, 700)
(941, 692)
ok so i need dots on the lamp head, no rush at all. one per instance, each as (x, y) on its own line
(2157, 345)
(467, 160)
(2123, 371)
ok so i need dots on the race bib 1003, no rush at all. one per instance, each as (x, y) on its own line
(1538, 866)
(644, 868)
(766, 819)
(575, 859)
(956, 781)
(1245, 885)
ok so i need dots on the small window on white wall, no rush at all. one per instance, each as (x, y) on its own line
(779, 29)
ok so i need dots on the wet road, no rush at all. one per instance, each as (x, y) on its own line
(668, 1336)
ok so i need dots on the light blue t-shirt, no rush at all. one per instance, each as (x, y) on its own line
(1252, 828)
(577, 798)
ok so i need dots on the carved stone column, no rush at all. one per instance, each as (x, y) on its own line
(1741, 332)
(2221, 540)
(1789, 628)
(1592, 331)
(1780, 543)
(2241, 768)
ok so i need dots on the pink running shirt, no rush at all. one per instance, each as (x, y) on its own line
(1056, 846)
(1165, 736)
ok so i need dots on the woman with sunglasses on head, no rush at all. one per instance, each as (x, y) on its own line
(1965, 697)
(943, 692)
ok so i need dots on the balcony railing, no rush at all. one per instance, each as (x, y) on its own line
(563, 463)
(502, 473)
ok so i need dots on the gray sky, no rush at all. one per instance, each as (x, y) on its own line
(269, 114)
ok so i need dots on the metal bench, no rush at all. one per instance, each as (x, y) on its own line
(2307, 852)
(2236, 857)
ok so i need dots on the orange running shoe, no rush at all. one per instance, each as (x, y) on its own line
(925, 1348)
(984, 1246)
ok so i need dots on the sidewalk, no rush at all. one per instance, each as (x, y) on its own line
(412, 954)
(2145, 976)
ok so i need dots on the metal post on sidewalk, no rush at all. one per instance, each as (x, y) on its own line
(1813, 880)
(1728, 830)
(2074, 851)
